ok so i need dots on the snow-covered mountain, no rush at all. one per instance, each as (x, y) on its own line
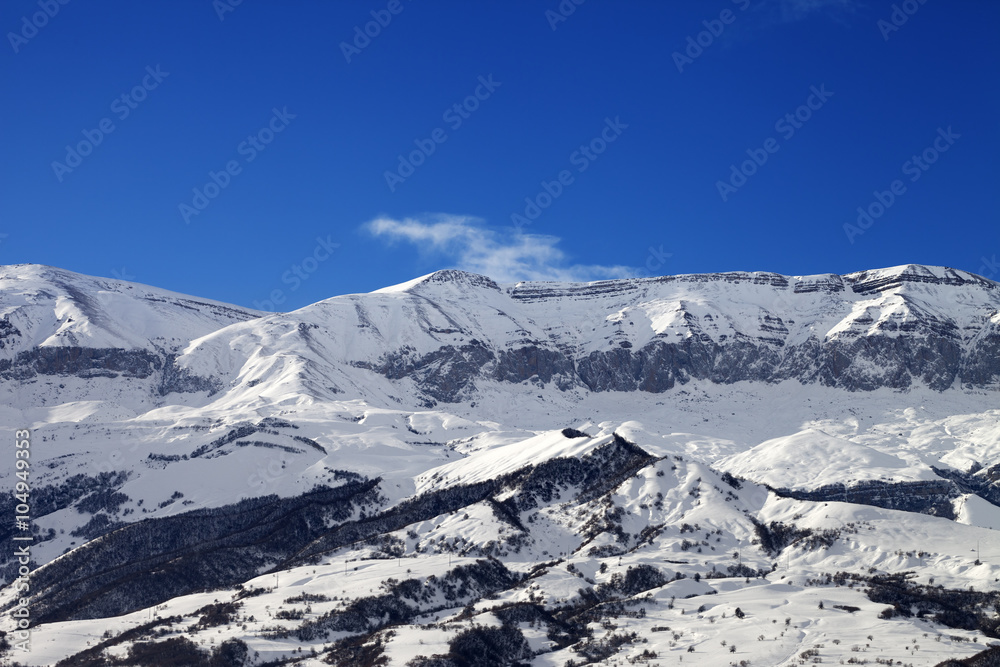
(55, 323)
(537, 473)
(449, 332)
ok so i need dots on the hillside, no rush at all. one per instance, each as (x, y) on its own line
(537, 473)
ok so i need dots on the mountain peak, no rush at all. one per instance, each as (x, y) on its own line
(444, 276)
(879, 280)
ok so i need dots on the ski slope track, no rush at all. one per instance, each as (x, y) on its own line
(723, 469)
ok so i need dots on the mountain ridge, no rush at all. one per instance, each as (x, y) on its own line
(438, 337)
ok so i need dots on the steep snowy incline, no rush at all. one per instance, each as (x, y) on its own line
(65, 337)
(442, 337)
(42, 306)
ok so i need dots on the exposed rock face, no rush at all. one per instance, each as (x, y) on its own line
(523, 363)
(181, 380)
(450, 331)
(860, 332)
(658, 366)
(8, 333)
(80, 361)
(442, 374)
(59, 324)
(87, 362)
(860, 365)
(980, 365)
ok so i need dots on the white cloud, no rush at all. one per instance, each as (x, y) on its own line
(506, 258)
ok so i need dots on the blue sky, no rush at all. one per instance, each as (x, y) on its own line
(273, 154)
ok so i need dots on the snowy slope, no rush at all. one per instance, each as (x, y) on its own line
(43, 306)
(443, 337)
(554, 461)
(811, 459)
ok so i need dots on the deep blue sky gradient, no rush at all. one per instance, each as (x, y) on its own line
(117, 213)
